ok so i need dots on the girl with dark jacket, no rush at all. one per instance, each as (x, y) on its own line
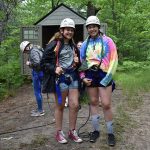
(60, 63)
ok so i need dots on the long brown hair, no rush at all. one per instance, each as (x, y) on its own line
(57, 36)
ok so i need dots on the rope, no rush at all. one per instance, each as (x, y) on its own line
(85, 135)
(8, 132)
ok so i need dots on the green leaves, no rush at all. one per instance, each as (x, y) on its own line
(10, 78)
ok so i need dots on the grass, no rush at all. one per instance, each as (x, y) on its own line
(39, 141)
(133, 82)
(122, 121)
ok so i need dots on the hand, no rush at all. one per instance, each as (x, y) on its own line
(59, 70)
(28, 63)
(76, 59)
(87, 81)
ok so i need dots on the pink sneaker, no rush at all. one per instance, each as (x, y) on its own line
(60, 137)
(72, 134)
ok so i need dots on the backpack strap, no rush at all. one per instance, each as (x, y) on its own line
(57, 48)
(58, 44)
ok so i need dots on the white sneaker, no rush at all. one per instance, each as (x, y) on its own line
(60, 137)
(34, 111)
(72, 134)
(37, 113)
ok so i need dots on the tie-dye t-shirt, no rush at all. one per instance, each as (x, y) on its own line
(95, 55)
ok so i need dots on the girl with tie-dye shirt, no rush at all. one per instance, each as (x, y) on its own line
(100, 54)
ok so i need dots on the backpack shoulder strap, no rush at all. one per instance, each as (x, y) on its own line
(56, 49)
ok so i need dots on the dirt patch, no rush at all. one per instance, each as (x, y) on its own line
(18, 130)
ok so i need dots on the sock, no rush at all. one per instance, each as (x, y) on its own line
(109, 125)
(96, 122)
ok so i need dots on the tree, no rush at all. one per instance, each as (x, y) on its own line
(92, 9)
(56, 3)
(6, 12)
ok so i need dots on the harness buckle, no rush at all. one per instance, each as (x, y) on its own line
(94, 68)
(67, 79)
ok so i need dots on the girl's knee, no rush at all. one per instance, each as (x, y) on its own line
(60, 107)
(94, 102)
(106, 106)
(74, 106)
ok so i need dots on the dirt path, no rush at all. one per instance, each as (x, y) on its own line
(39, 131)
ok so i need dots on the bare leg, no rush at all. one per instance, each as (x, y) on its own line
(94, 100)
(73, 107)
(95, 117)
(105, 94)
(59, 111)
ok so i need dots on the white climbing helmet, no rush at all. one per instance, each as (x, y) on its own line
(67, 22)
(23, 45)
(92, 20)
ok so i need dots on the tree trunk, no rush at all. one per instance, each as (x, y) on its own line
(91, 9)
(6, 8)
(1, 33)
(114, 18)
(53, 5)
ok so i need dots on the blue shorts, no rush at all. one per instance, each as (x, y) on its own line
(73, 85)
(68, 80)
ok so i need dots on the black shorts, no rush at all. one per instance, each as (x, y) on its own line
(96, 77)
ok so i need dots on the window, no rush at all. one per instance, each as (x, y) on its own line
(30, 34)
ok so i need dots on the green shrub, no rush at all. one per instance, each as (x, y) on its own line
(10, 78)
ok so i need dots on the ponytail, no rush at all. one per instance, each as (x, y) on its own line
(57, 36)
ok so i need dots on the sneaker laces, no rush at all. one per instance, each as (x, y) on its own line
(94, 134)
(75, 133)
(62, 133)
(36, 111)
(111, 136)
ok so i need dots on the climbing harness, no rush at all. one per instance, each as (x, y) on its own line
(66, 77)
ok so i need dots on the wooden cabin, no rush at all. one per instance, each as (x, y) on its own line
(45, 28)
